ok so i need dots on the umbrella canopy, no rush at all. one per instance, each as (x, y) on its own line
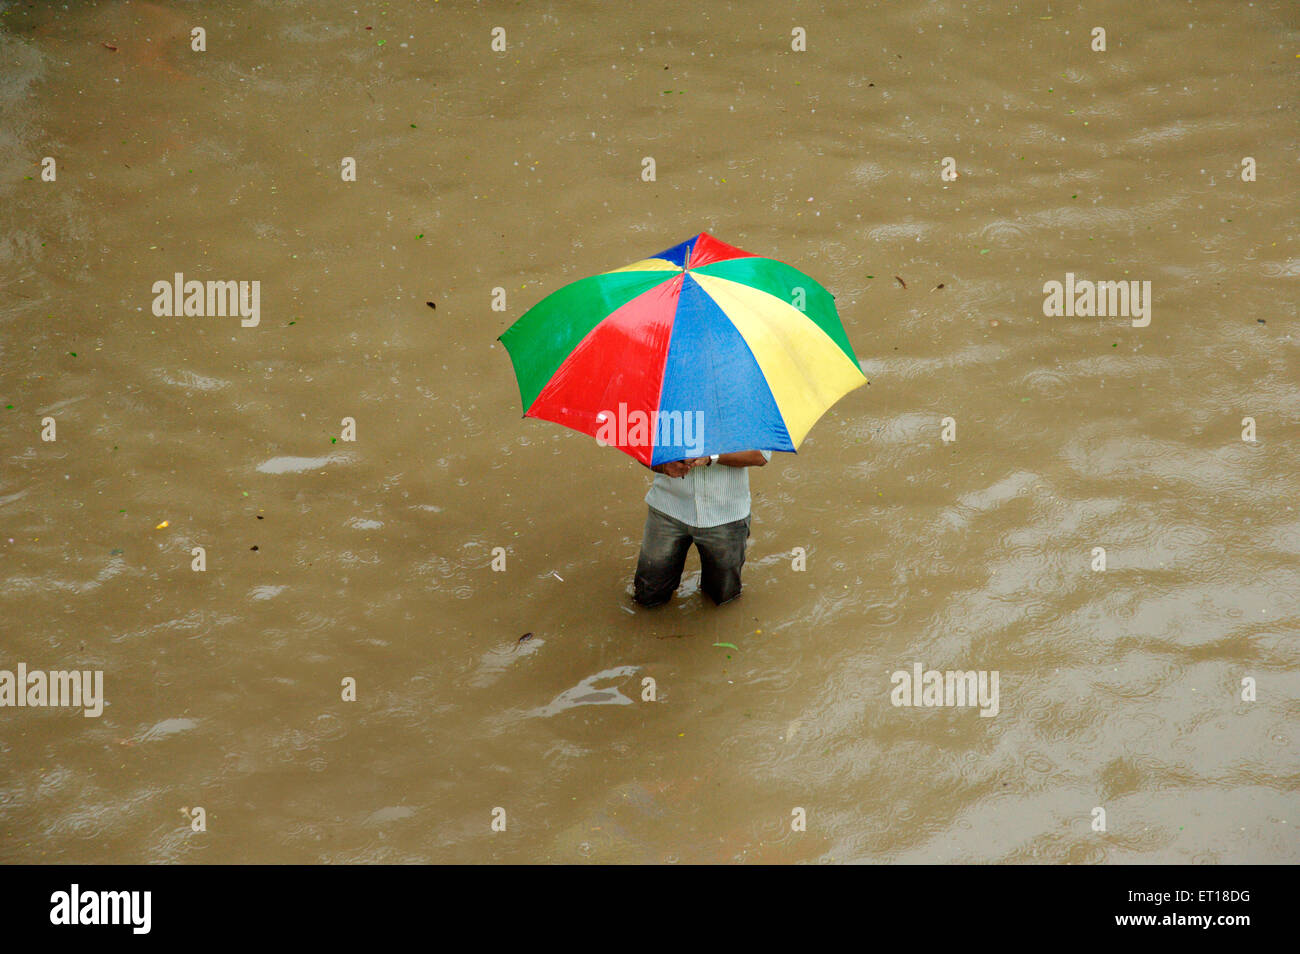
(701, 349)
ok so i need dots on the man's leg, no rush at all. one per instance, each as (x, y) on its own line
(663, 554)
(722, 554)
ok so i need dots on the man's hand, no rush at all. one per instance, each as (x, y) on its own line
(678, 468)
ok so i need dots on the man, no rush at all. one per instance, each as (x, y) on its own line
(700, 500)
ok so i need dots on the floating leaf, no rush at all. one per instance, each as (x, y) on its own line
(728, 646)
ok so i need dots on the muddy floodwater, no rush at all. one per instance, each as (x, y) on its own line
(242, 521)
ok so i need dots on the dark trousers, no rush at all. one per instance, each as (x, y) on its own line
(663, 555)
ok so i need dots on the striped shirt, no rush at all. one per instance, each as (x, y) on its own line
(706, 497)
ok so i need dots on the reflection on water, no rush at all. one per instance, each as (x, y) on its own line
(587, 693)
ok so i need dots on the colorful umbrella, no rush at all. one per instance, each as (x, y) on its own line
(701, 349)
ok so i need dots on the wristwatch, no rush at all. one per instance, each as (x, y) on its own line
(713, 459)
